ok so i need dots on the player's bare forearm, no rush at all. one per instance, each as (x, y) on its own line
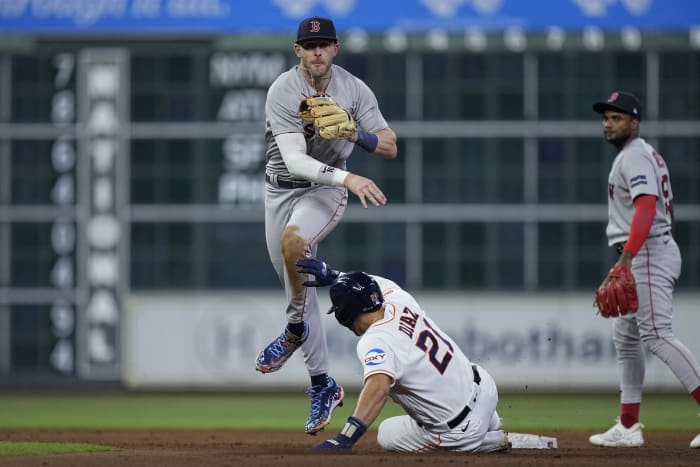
(625, 258)
(365, 189)
(372, 398)
(386, 148)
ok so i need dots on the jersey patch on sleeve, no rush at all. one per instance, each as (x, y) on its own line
(638, 180)
(374, 357)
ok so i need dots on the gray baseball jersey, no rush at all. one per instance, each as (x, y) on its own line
(638, 169)
(314, 211)
(432, 380)
(283, 99)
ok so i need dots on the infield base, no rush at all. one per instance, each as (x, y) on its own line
(532, 441)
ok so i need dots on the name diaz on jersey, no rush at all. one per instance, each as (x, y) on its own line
(407, 322)
(407, 325)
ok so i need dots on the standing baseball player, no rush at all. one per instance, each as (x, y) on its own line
(638, 290)
(317, 113)
(450, 402)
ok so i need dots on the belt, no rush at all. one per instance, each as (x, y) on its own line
(285, 183)
(465, 411)
(619, 247)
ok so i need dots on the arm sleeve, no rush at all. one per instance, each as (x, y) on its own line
(644, 211)
(292, 146)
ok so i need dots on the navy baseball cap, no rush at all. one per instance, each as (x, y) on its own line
(316, 28)
(624, 102)
(352, 294)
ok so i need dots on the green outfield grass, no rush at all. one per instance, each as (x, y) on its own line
(8, 449)
(144, 411)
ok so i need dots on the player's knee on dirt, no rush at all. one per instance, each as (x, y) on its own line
(293, 248)
(384, 437)
(395, 434)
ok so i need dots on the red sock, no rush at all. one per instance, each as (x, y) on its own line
(696, 394)
(629, 414)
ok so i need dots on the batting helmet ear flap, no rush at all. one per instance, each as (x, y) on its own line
(354, 293)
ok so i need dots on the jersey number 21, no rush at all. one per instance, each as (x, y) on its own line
(429, 342)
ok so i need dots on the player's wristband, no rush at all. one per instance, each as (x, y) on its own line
(332, 176)
(367, 141)
(353, 429)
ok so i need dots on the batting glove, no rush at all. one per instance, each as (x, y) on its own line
(322, 272)
(348, 436)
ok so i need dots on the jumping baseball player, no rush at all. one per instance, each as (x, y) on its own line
(316, 113)
(450, 402)
(638, 290)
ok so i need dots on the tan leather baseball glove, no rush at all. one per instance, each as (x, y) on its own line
(332, 121)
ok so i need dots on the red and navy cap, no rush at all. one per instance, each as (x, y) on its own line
(316, 28)
(619, 101)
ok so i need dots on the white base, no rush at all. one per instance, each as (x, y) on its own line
(530, 441)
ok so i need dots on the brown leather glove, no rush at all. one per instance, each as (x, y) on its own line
(617, 295)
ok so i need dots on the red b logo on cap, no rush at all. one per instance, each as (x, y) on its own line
(613, 97)
(315, 26)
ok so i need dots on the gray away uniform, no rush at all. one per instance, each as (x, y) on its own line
(637, 170)
(315, 209)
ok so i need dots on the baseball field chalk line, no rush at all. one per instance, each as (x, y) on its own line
(531, 441)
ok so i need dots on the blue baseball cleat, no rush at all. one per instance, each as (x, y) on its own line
(278, 351)
(324, 399)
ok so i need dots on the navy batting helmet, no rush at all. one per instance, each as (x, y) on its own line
(352, 294)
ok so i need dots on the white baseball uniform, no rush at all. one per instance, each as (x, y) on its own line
(639, 170)
(316, 208)
(450, 402)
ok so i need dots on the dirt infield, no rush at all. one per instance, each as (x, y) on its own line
(255, 449)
